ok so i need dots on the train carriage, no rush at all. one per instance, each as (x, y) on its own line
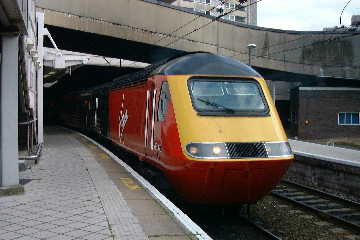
(206, 121)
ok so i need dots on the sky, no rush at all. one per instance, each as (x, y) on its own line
(306, 15)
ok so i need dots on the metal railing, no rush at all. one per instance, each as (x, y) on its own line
(33, 154)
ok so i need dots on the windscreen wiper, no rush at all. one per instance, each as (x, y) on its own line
(216, 105)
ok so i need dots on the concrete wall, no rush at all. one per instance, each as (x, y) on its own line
(330, 177)
(313, 53)
(317, 112)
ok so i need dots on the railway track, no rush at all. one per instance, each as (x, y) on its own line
(334, 207)
(230, 225)
(268, 234)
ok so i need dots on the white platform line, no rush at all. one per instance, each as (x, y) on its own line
(179, 216)
(328, 159)
(324, 157)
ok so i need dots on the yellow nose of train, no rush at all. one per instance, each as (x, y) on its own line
(232, 144)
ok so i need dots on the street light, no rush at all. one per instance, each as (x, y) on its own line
(343, 10)
(251, 46)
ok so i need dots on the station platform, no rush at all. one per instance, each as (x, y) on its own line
(327, 153)
(78, 191)
(334, 170)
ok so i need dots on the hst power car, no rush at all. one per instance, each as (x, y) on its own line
(206, 121)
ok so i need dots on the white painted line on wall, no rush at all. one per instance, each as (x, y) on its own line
(179, 215)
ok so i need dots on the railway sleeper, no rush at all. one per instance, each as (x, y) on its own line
(339, 211)
(290, 190)
(285, 189)
(285, 192)
(294, 194)
(304, 198)
(316, 201)
(328, 206)
(357, 223)
(352, 217)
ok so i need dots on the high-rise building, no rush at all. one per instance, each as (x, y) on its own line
(238, 12)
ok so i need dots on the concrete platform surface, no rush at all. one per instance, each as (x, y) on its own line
(78, 192)
(327, 153)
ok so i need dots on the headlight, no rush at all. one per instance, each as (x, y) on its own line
(278, 149)
(254, 150)
(207, 150)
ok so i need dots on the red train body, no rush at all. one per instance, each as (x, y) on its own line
(211, 153)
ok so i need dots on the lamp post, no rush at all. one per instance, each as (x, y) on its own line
(344, 10)
(250, 46)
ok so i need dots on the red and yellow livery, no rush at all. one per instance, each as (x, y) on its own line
(207, 122)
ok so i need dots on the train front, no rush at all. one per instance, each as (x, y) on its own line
(233, 144)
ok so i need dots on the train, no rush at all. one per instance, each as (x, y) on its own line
(207, 122)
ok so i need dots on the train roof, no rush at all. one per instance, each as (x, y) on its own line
(205, 63)
(188, 64)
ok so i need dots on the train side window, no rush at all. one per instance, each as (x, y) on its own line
(163, 101)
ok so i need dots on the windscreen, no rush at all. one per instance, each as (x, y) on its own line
(227, 97)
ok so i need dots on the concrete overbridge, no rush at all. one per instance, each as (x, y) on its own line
(149, 30)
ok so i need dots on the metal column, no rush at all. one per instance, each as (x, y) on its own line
(9, 162)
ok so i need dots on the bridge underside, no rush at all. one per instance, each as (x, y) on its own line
(80, 41)
(85, 42)
(145, 31)
(83, 77)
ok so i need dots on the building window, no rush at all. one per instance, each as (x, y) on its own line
(203, 1)
(226, 17)
(348, 118)
(230, 5)
(239, 19)
(229, 17)
(240, 8)
(199, 10)
(214, 13)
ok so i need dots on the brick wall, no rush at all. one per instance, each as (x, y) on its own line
(317, 112)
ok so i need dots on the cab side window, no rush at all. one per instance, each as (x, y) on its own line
(163, 101)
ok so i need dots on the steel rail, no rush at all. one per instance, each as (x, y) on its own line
(259, 227)
(332, 206)
(325, 194)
